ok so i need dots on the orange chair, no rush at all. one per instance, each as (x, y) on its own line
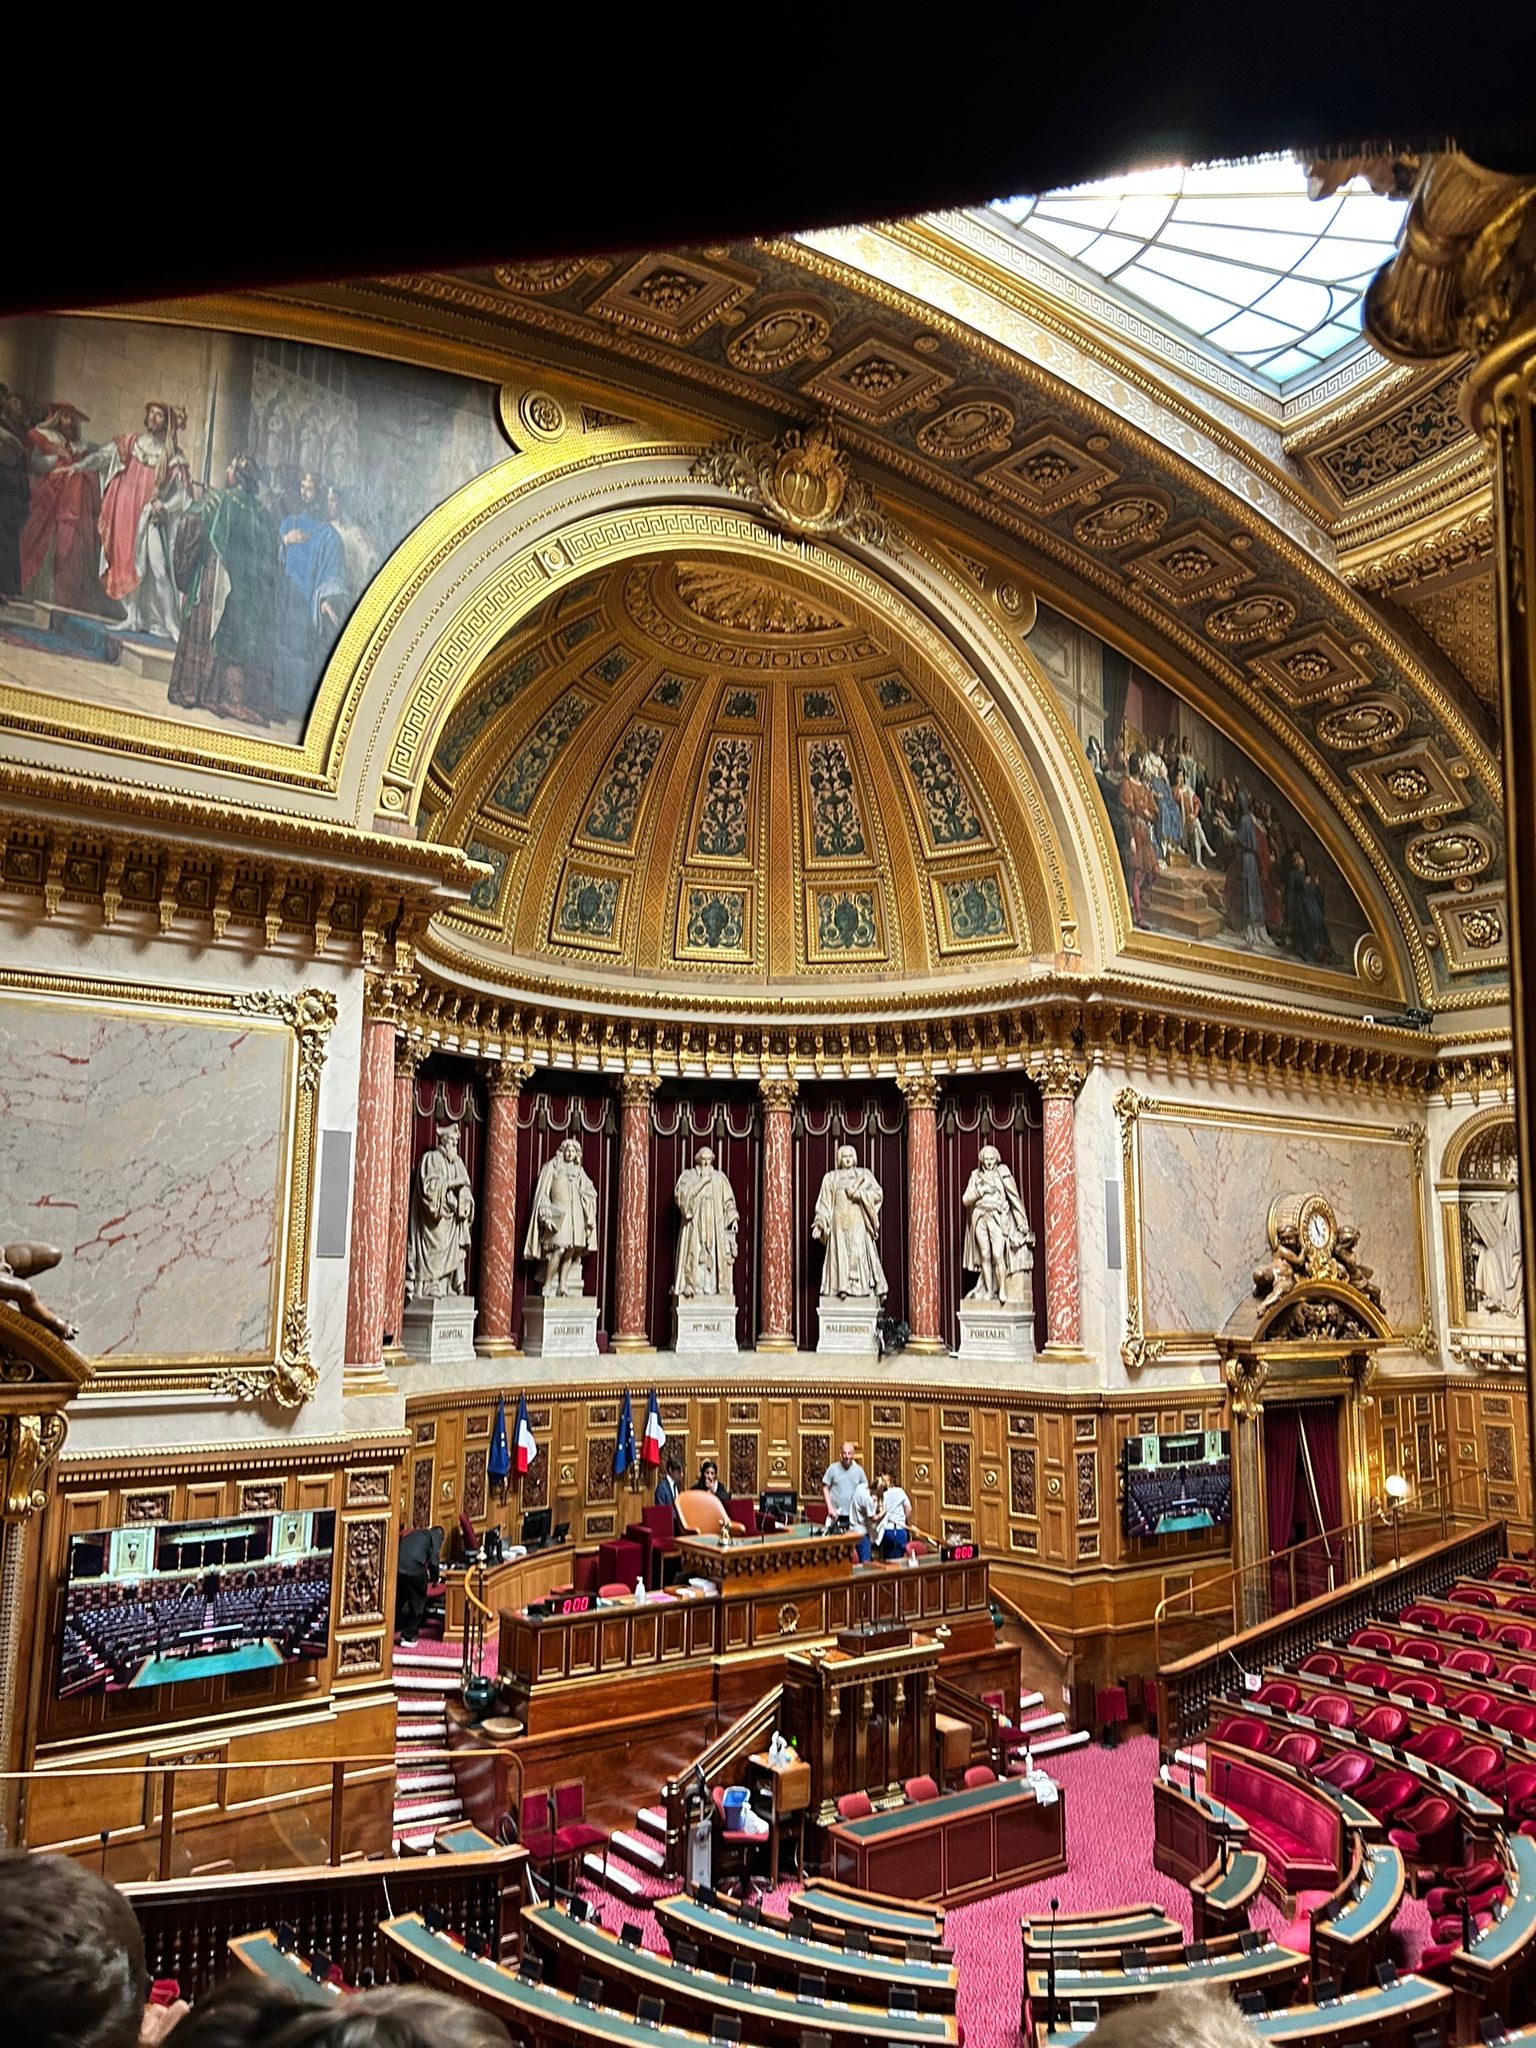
(919, 1789)
(979, 1774)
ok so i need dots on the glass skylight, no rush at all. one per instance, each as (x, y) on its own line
(1236, 255)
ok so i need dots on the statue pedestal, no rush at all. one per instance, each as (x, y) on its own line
(440, 1331)
(847, 1327)
(560, 1326)
(704, 1322)
(1003, 1330)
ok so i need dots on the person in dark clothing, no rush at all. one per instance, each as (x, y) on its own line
(669, 1484)
(417, 1568)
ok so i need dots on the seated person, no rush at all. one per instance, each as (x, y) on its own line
(418, 1566)
(708, 1480)
(669, 1483)
(895, 1506)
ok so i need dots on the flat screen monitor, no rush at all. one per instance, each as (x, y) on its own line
(780, 1502)
(164, 1602)
(535, 1528)
(1177, 1485)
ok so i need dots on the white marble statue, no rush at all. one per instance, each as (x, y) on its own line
(847, 1224)
(1498, 1264)
(706, 1244)
(563, 1226)
(997, 1233)
(440, 1218)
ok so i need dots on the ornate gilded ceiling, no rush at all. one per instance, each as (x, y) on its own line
(693, 771)
(1207, 565)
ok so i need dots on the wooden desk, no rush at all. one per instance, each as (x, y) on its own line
(791, 1787)
(1385, 2018)
(778, 1564)
(1491, 1974)
(842, 1905)
(964, 1845)
(1221, 1897)
(781, 1958)
(510, 1584)
(1187, 1831)
(1349, 1936)
(1136, 1926)
(862, 1721)
(1264, 1969)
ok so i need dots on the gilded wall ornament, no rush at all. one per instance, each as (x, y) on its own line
(974, 426)
(1368, 722)
(778, 338)
(1259, 615)
(1121, 522)
(727, 596)
(801, 482)
(1458, 852)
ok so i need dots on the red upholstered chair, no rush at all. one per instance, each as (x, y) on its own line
(543, 1843)
(1450, 1927)
(1474, 1596)
(656, 1533)
(979, 1774)
(737, 1848)
(1301, 1750)
(919, 1789)
(1382, 1724)
(1321, 1664)
(1475, 1627)
(1444, 1900)
(1332, 1709)
(1471, 1701)
(615, 1589)
(1514, 1715)
(1011, 1739)
(1523, 1603)
(571, 1816)
(1475, 1877)
(1388, 1791)
(1375, 1639)
(1425, 1831)
(1517, 1791)
(1514, 1635)
(1424, 1650)
(1243, 1730)
(1434, 1745)
(1421, 1615)
(816, 1511)
(1508, 1574)
(1436, 1960)
(854, 1806)
(1476, 1663)
(1479, 1763)
(1424, 1692)
(619, 1563)
(1278, 1692)
(1369, 1674)
(584, 1572)
(1345, 1771)
(1521, 1674)
(745, 1512)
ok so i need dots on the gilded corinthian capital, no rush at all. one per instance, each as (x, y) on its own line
(1462, 278)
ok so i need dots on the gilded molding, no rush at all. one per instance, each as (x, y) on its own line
(1137, 1349)
(919, 1090)
(1058, 1071)
(1458, 281)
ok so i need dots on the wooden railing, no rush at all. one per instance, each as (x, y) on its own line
(1186, 1685)
(1061, 1658)
(189, 1922)
(476, 1615)
(719, 1762)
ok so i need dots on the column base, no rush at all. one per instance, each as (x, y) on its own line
(927, 1347)
(630, 1344)
(497, 1347)
(1066, 1354)
(769, 1341)
(441, 1331)
(395, 1353)
(366, 1379)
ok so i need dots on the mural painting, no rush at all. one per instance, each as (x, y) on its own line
(1211, 849)
(188, 518)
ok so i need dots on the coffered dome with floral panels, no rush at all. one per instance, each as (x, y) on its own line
(695, 770)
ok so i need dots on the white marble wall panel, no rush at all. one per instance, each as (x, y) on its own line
(154, 1151)
(1206, 1189)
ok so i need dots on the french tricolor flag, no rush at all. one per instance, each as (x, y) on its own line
(654, 1440)
(524, 1449)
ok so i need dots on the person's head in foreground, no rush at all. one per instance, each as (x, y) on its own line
(1190, 2016)
(400, 2016)
(71, 1956)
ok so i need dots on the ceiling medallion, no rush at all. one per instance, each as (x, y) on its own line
(549, 275)
(725, 597)
(1120, 522)
(975, 426)
(801, 483)
(1458, 853)
(778, 338)
(1261, 615)
(1369, 722)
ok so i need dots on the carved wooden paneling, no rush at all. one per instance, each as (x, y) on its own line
(743, 1460)
(815, 1457)
(474, 1483)
(364, 1542)
(422, 1504)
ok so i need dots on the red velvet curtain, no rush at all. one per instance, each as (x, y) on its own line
(684, 1116)
(1282, 1437)
(988, 1109)
(552, 1108)
(871, 1117)
(449, 1090)
(1319, 1422)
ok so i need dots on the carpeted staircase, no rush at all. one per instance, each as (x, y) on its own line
(426, 1676)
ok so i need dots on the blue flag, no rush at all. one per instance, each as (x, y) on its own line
(624, 1448)
(499, 1463)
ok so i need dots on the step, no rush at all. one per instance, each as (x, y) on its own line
(438, 1659)
(424, 1781)
(615, 1879)
(637, 1849)
(651, 1821)
(412, 1812)
(1030, 1700)
(432, 1704)
(1191, 1759)
(428, 1681)
(420, 1735)
(1039, 1723)
(1054, 1744)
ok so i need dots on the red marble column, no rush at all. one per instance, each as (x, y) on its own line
(630, 1332)
(776, 1284)
(1060, 1078)
(922, 1094)
(497, 1214)
(372, 1203)
(407, 1059)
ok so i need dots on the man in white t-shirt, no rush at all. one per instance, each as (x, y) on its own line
(891, 1530)
(840, 1486)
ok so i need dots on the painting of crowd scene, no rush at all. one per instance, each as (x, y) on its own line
(188, 518)
(1212, 850)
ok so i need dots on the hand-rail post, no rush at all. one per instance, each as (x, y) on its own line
(338, 1805)
(167, 1820)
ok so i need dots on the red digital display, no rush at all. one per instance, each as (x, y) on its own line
(957, 1553)
(576, 1603)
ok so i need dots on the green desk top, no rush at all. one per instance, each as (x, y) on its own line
(1141, 1926)
(261, 1953)
(1377, 1898)
(813, 1956)
(464, 1841)
(848, 1911)
(951, 1806)
(1517, 1924)
(1270, 1960)
(1356, 2010)
(605, 1949)
(1239, 1881)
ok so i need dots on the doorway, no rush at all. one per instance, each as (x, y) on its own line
(1303, 1499)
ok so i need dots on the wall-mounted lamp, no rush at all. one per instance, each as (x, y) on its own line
(1398, 1488)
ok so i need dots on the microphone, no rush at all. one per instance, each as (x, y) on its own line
(1050, 1974)
(105, 1838)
